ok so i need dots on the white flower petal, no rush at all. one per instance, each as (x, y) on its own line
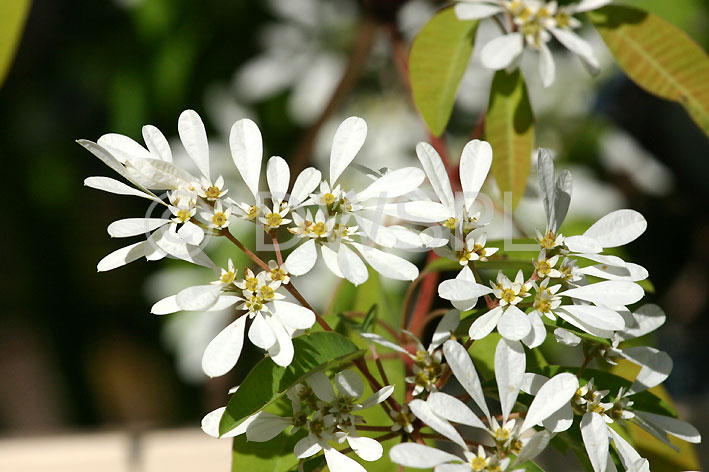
(282, 350)
(418, 211)
(367, 449)
(538, 334)
(105, 156)
(377, 397)
(419, 456)
(302, 259)
(349, 383)
(306, 447)
(436, 172)
(578, 46)
(321, 387)
(587, 5)
(566, 337)
(677, 428)
(647, 319)
(547, 70)
(347, 142)
(210, 424)
(484, 325)
(627, 453)
(247, 151)
(475, 11)
(194, 139)
(224, 350)
(560, 420)
(341, 463)
(224, 302)
(122, 256)
(166, 306)
(554, 394)
(631, 272)
(198, 297)
(536, 444)
(266, 426)
(387, 264)
(608, 293)
(582, 244)
(123, 147)
(595, 438)
(656, 366)
(597, 317)
(617, 228)
(383, 342)
(393, 184)
(157, 143)
(510, 363)
(450, 408)
(134, 226)
(110, 185)
(292, 315)
(502, 51)
(462, 366)
(423, 412)
(306, 182)
(475, 164)
(461, 289)
(513, 324)
(329, 256)
(375, 231)
(581, 322)
(261, 334)
(278, 178)
(157, 174)
(351, 265)
(444, 328)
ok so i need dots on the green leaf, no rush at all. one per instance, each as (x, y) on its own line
(12, 20)
(439, 56)
(509, 127)
(275, 455)
(658, 57)
(267, 382)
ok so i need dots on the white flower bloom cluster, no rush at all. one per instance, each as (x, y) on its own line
(531, 24)
(330, 418)
(573, 289)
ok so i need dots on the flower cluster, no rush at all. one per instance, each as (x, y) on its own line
(531, 24)
(573, 292)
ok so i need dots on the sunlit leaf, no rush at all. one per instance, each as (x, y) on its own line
(509, 127)
(439, 56)
(657, 56)
(12, 20)
(267, 382)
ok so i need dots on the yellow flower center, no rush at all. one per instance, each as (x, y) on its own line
(548, 241)
(228, 277)
(544, 306)
(478, 464)
(274, 219)
(212, 193)
(278, 274)
(501, 434)
(450, 224)
(328, 198)
(251, 284)
(543, 267)
(508, 295)
(219, 219)
(184, 215)
(319, 229)
(266, 292)
(563, 19)
(253, 212)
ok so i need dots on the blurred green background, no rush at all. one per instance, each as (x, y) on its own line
(79, 349)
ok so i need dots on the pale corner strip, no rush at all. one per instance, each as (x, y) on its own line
(182, 450)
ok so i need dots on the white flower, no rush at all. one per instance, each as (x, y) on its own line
(535, 22)
(274, 320)
(328, 416)
(152, 168)
(330, 230)
(440, 409)
(217, 217)
(246, 146)
(428, 366)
